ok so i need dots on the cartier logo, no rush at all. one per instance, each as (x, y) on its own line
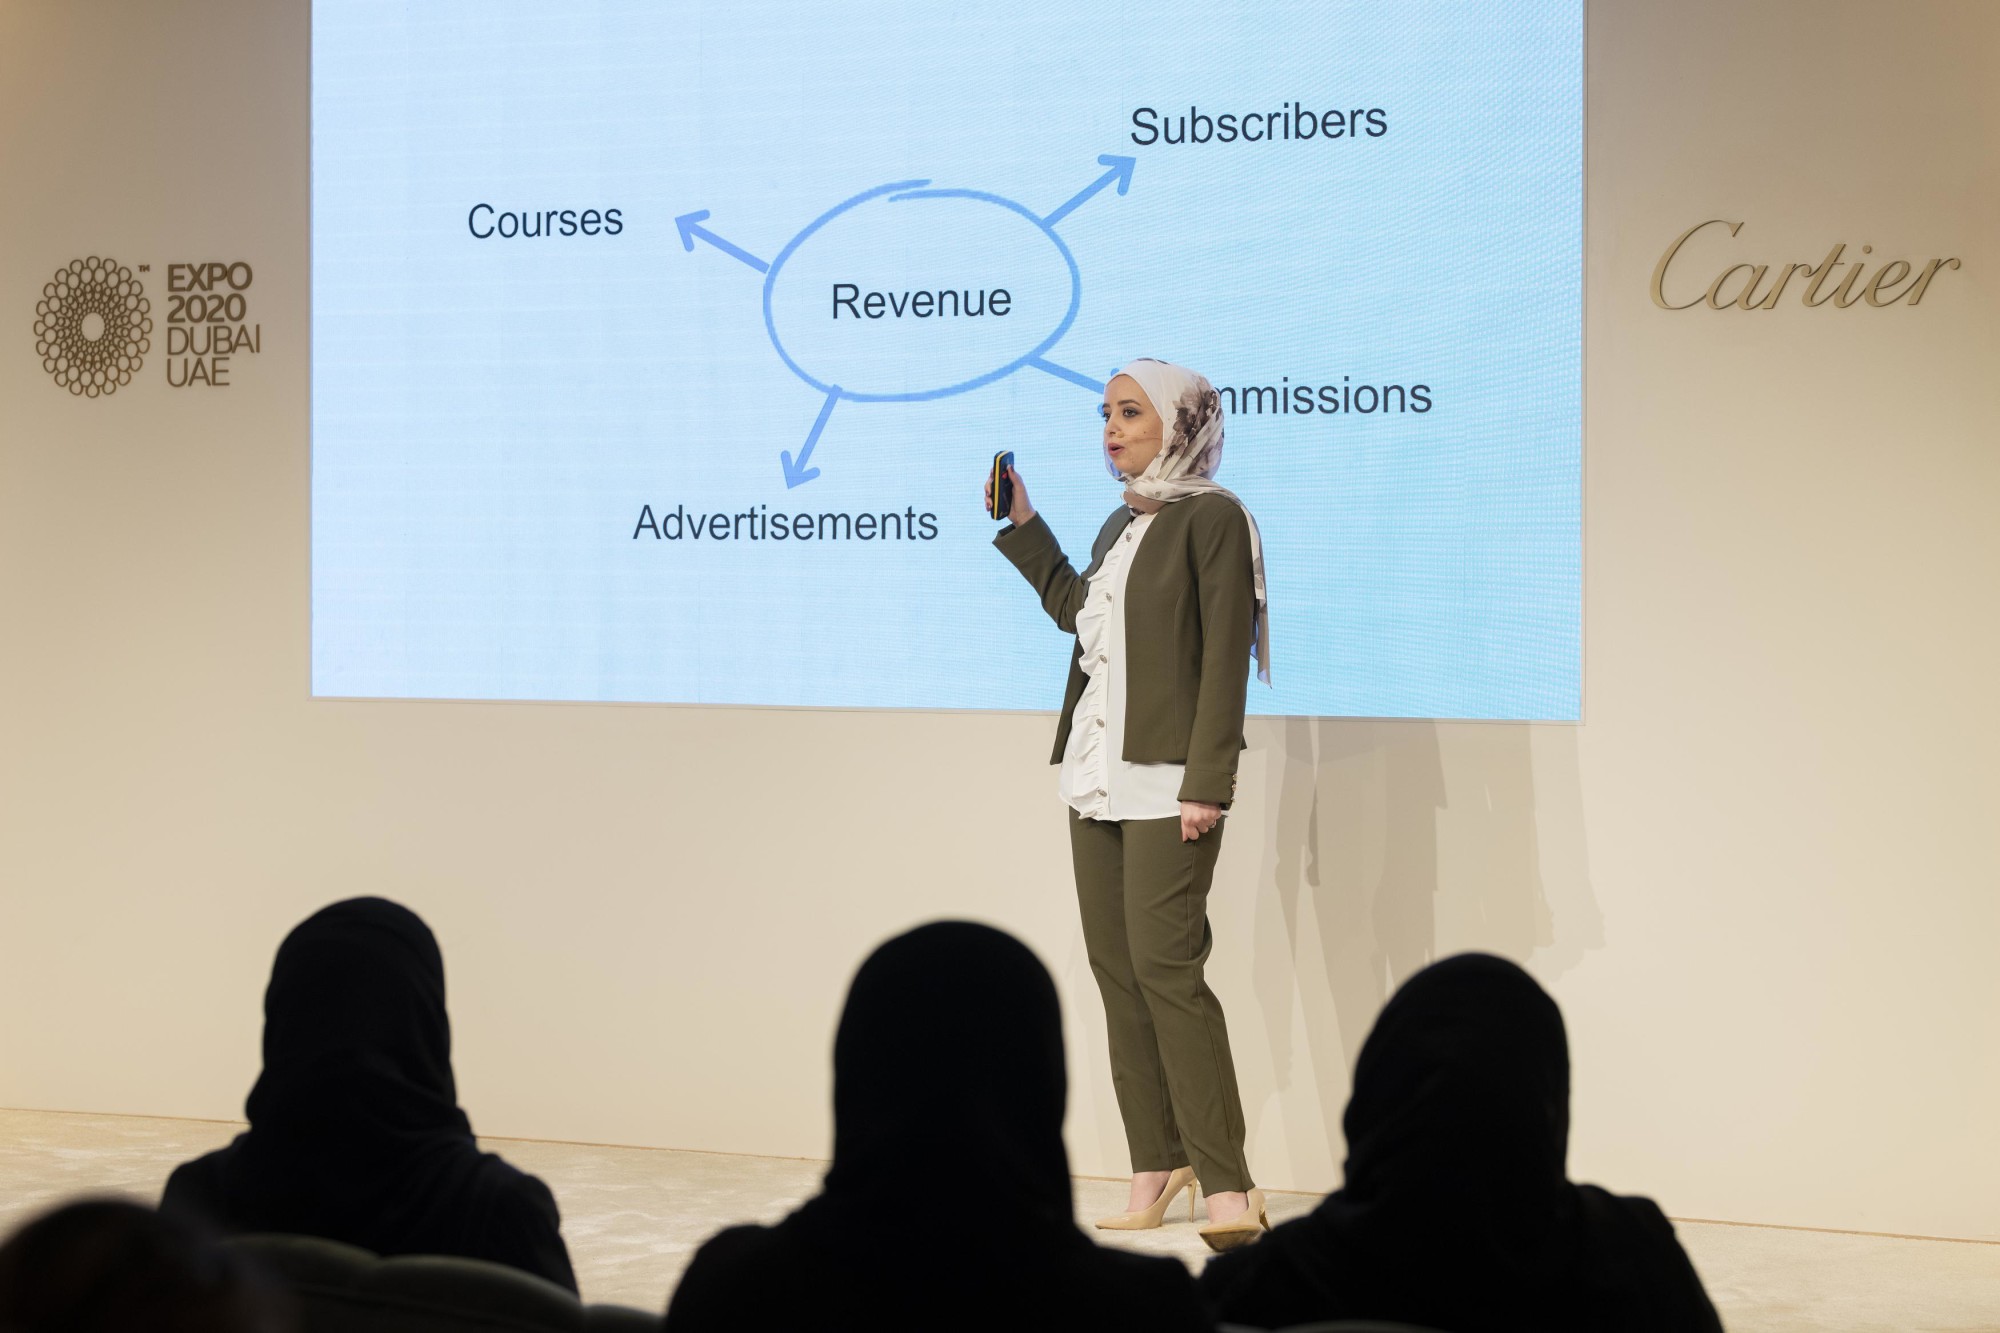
(1757, 287)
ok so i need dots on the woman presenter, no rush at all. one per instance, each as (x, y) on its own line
(1166, 620)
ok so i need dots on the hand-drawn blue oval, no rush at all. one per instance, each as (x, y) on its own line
(901, 348)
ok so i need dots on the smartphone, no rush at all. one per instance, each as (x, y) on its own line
(1003, 485)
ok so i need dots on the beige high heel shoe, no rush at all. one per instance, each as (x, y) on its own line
(1148, 1218)
(1232, 1235)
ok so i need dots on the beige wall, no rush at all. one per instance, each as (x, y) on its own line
(1760, 877)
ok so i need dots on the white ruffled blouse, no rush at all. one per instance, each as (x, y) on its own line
(1095, 780)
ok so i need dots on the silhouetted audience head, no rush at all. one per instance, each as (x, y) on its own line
(950, 1052)
(112, 1266)
(948, 1202)
(355, 1130)
(1457, 1211)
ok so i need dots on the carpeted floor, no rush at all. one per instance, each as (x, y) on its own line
(633, 1216)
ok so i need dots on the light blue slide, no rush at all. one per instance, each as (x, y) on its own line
(660, 350)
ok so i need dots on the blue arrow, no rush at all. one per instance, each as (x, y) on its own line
(1076, 377)
(797, 473)
(686, 222)
(1121, 171)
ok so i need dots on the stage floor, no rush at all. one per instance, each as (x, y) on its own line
(633, 1216)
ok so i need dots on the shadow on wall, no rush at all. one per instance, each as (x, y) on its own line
(1391, 843)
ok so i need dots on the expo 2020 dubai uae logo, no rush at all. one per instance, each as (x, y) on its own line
(93, 326)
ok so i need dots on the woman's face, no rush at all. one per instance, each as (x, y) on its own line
(1132, 429)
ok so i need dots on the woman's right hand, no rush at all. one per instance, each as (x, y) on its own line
(1020, 511)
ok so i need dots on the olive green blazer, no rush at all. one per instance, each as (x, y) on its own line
(1190, 611)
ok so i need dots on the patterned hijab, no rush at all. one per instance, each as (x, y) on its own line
(1191, 414)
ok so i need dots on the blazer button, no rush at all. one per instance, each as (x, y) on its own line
(1100, 721)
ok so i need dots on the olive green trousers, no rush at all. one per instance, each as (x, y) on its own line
(1144, 897)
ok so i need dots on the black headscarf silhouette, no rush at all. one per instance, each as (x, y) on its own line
(1457, 1212)
(948, 1202)
(355, 1131)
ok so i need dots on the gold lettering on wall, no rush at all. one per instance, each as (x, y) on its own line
(1822, 271)
(1930, 271)
(1885, 276)
(1742, 298)
(1724, 294)
(1660, 269)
